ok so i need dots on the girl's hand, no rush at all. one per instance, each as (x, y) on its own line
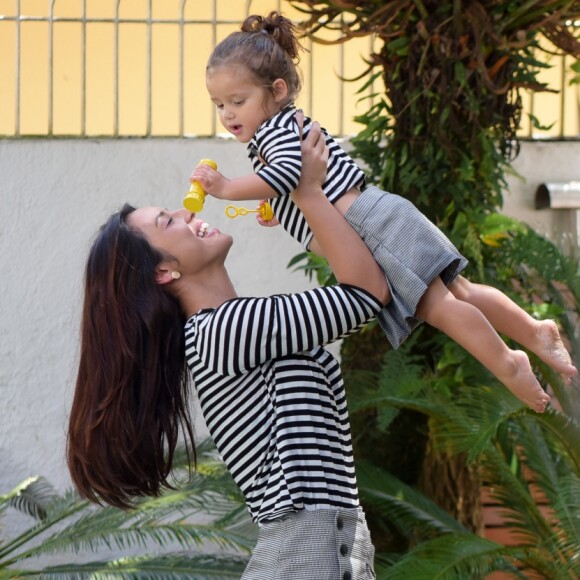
(212, 181)
(267, 224)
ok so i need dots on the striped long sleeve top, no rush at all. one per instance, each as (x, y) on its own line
(273, 399)
(276, 157)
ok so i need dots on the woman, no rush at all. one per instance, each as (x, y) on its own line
(272, 398)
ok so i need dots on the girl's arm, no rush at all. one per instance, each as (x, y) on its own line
(348, 256)
(239, 189)
(280, 156)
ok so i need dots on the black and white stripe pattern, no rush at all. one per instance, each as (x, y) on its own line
(277, 143)
(274, 400)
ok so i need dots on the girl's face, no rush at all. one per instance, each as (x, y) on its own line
(178, 234)
(243, 104)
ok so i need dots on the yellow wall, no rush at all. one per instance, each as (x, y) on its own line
(138, 113)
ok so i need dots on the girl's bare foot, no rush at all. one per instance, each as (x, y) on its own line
(523, 383)
(548, 346)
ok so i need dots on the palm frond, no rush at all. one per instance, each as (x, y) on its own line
(386, 392)
(178, 566)
(206, 455)
(507, 483)
(210, 495)
(566, 430)
(454, 556)
(72, 525)
(548, 472)
(143, 536)
(32, 496)
(567, 514)
(469, 423)
(409, 510)
(157, 520)
(60, 509)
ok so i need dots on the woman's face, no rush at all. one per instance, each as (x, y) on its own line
(181, 236)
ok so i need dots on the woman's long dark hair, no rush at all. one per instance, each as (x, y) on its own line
(131, 396)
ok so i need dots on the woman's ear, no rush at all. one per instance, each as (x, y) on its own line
(280, 90)
(163, 275)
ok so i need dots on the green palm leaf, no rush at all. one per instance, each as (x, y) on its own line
(178, 566)
(31, 497)
(72, 525)
(411, 511)
(456, 556)
(567, 512)
(93, 538)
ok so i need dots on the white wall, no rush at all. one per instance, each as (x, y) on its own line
(55, 193)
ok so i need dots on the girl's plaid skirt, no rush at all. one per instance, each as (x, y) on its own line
(410, 250)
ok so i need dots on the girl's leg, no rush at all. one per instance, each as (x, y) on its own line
(467, 326)
(539, 336)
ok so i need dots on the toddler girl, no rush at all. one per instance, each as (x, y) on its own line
(253, 79)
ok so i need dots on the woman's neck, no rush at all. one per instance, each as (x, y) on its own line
(209, 292)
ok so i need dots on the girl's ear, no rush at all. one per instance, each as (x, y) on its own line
(279, 90)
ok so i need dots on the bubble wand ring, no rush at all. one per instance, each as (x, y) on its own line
(265, 210)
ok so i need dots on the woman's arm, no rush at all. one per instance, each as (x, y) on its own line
(244, 333)
(348, 256)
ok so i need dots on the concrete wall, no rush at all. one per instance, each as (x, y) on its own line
(55, 194)
(542, 162)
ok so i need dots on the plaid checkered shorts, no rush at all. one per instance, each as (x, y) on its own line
(324, 544)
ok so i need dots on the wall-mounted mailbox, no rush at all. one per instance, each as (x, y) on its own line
(558, 195)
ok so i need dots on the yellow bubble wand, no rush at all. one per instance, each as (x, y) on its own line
(265, 210)
(195, 199)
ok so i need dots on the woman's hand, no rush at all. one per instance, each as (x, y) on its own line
(350, 259)
(314, 160)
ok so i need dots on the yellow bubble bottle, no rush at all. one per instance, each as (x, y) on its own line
(195, 197)
(265, 210)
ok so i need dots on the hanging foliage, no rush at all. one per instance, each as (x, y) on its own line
(444, 131)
